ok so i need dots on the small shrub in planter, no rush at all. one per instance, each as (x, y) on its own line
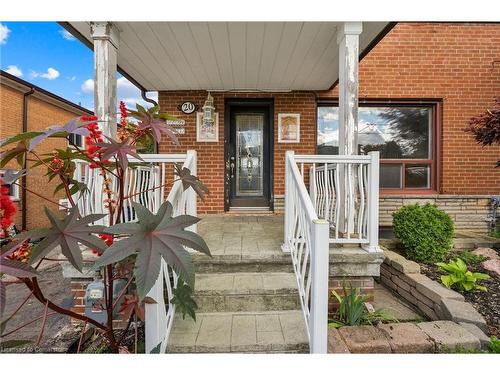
(425, 232)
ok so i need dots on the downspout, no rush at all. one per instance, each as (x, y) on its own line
(149, 100)
(24, 212)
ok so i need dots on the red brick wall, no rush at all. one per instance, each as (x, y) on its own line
(452, 62)
(211, 155)
(448, 62)
(41, 115)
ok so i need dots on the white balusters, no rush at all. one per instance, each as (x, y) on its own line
(341, 206)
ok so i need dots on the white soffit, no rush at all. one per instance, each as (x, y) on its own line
(267, 56)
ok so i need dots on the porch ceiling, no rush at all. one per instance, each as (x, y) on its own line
(264, 56)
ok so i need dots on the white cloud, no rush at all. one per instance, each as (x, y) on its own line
(4, 33)
(88, 86)
(66, 34)
(14, 70)
(51, 74)
(72, 78)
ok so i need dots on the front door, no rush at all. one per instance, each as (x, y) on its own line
(248, 156)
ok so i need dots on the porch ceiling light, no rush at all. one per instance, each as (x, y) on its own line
(209, 111)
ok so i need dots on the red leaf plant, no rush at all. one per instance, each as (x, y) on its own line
(121, 247)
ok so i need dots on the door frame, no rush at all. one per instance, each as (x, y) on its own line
(229, 104)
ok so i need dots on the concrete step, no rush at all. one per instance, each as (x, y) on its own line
(243, 262)
(246, 291)
(244, 332)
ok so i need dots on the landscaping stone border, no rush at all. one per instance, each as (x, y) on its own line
(426, 337)
(435, 301)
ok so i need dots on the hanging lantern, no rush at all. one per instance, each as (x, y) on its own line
(209, 111)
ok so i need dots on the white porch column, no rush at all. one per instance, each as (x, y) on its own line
(106, 42)
(348, 41)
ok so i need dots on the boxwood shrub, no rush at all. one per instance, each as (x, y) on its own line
(425, 232)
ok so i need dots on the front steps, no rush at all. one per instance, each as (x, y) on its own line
(246, 292)
(240, 332)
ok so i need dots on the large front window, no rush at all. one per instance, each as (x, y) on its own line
(402, 133)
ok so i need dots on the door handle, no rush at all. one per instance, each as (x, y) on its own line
(232, 170)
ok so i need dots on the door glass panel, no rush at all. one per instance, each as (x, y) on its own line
(249, 154)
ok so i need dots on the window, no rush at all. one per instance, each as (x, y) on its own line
(76, 139)
(403, 133)
(13, 190)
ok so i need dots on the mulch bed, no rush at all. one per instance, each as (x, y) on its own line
(487, 303)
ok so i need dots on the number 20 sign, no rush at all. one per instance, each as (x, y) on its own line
(188, 107)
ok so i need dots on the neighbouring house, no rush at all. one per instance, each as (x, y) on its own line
(26, 107)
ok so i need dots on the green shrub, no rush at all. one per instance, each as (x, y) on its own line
(425, 232)
(470, 258)
(494, 345)
(460, 278)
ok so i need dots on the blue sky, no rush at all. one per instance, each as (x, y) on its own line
(46, 55)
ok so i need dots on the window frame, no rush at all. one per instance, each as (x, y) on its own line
(82, 142)
(434, 160)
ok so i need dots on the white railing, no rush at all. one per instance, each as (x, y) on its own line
(139, 185)
(341, 206)
(306, 238)
(344, 191)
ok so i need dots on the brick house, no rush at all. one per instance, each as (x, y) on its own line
(26, 107)
(446, 72)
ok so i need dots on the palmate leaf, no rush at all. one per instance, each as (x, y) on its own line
(68, 233)
(119, 151)
(154, 237)
(183, 300)
(74, 126)
(188, 180)
(19, 137)
(10, 175)
(151, 120)
(18, 152)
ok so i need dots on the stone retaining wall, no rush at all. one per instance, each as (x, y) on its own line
(434, 300)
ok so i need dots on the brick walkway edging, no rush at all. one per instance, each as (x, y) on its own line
(434, 300)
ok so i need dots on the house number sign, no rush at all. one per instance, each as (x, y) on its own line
(188, 107)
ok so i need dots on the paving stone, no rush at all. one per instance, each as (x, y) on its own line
(486, 252)
(459, 311)
(243, 333)
(365, 339)
(294, 329)
(214, 335)
(476, 331)
(428, 311)
(435, 291)
(282, 281)
(184, 340)
(401, 283)
(449, 335)
(400, 263)
(271, 341)
(246, 281)
(214, 282)
(384, 299)
(492, 265)
(187, 325)
(335, 342)
(407, 338)
(268, 323)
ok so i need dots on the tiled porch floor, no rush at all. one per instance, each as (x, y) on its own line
(242, 237)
